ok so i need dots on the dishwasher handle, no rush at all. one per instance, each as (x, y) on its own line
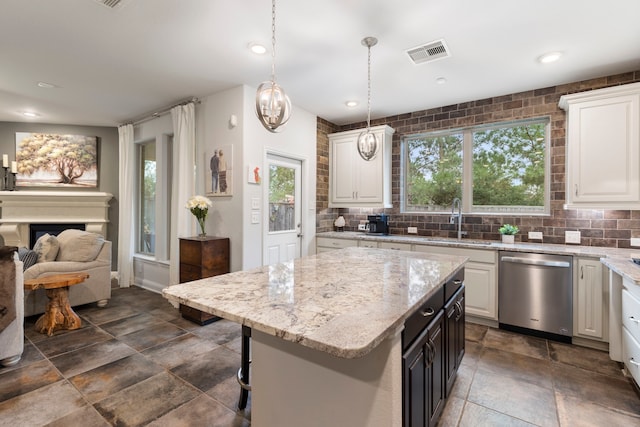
(541, 262)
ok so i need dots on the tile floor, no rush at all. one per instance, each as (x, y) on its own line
(137, 362)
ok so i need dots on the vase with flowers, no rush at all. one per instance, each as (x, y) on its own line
(199, 207)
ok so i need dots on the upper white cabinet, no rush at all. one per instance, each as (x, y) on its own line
(354, 182)
(603, 148)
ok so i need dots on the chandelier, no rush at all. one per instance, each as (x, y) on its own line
(273, 106)
(367, 141)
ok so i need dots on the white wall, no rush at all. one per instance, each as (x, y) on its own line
(231, 216)
(297, 140)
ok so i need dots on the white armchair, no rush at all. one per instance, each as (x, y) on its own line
(74, 245)
(12, 336)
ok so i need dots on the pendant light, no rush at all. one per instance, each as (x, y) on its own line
(367, 141)
(273, 106)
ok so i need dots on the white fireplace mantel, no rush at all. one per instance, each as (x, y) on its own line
(19, 209)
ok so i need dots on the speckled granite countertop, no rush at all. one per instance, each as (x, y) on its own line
(590, 251)
(343, 302)
(618, 260)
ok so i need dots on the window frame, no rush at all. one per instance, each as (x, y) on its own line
(467, 170)
(163, 147)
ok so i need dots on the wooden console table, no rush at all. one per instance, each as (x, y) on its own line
(202, 257)
(58, 314)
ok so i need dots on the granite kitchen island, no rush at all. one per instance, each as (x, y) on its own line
(326, 331)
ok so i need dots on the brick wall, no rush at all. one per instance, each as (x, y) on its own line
(610, 228)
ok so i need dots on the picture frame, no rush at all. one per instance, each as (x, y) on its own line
(56, 160)
(219, 171)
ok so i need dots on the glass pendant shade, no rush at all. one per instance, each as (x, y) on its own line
(273, 106)
(367, 145)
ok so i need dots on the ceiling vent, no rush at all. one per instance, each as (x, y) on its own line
(429, 52)
(110, 3)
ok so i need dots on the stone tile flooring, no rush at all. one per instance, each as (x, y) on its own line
(137, 362)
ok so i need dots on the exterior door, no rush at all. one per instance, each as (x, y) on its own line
(283, 216)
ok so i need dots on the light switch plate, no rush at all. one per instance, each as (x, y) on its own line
(635, 241)
(572, 237)
(535, 235)
(362, 227)
(255, 203)
(412, 230)
(255, 217)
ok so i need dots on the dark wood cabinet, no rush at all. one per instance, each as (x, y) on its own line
(202, 257)
(454, 330)
(432, 355)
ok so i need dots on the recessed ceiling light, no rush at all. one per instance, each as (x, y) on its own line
(46, 85)
(257, 48)
(351, 104)
(441, 80)
(550, 57)
(30, 114)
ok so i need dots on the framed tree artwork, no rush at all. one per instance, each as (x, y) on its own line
(53, 160)
(218, 177)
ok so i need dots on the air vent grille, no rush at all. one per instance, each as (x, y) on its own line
(429, 52)
(109, 3)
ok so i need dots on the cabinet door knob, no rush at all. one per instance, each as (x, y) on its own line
(428, 312)
(633, 319)
(633, 362)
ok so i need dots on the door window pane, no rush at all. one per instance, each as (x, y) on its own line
(282, 187)
(147, 191)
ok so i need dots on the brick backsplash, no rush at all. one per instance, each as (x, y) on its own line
(609, 228)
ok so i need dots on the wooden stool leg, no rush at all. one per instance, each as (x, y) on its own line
(58, 314)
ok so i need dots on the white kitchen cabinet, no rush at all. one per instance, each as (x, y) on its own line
(353, 181)
(395, 245)
(324, 244)
(603, 148)
(631, 329)
(480, 279)
(591, 301)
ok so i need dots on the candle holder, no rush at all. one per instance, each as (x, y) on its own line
(13, 178)
(5, 178)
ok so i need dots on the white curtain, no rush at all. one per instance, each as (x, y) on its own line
(183, 181)
(125, 205)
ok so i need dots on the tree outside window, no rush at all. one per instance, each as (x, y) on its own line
(506, 169)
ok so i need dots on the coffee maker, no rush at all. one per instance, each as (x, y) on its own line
(378, 224)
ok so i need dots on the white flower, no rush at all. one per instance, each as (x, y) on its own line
(199, 202)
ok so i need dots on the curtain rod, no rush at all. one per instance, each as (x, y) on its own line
(161, 112)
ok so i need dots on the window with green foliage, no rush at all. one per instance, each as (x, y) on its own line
(147, 208)
(500, 168)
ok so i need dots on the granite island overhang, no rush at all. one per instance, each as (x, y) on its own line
(323, 328)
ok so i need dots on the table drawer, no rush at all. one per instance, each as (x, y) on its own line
(631, 314)
(631, 354)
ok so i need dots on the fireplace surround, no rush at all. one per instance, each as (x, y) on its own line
(20, 209)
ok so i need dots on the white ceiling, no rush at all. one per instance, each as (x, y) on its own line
(114, 65)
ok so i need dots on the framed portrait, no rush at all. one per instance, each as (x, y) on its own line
(54, 160)
(219, 171)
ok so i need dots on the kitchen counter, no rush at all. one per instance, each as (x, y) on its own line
(325, 328)
(325, 301)
(589, 251)
(624, 267)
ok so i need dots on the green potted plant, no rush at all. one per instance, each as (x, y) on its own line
(508, 232)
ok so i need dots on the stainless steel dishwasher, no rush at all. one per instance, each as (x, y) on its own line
(535, 294)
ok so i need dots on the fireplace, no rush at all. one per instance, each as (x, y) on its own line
(23, 211)
(38, 230)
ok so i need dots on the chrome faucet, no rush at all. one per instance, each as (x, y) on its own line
(457, 204)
